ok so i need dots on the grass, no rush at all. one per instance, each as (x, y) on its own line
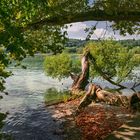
(52, 96)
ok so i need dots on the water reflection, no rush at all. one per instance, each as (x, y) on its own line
(32, 124)
(28, 117)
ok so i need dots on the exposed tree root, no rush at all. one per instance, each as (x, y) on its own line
(96, 94)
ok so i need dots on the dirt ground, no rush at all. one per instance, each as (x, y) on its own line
(128, 131)
(96, 122)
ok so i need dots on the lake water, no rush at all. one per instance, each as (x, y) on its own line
(28, 117)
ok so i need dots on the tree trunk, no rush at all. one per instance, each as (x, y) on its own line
(81, 81)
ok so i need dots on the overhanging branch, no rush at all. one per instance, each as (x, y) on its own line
(91, 15)
(92, 59)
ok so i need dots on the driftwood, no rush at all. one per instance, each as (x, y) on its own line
(96, 93)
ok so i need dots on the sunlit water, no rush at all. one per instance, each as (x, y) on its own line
(28, 117)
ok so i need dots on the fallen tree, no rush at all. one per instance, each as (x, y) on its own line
(95, 92)
(61, 66)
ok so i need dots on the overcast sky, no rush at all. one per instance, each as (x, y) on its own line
(77, 31)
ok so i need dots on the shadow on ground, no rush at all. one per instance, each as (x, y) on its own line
(128, 131)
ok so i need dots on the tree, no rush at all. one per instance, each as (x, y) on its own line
(108, 59)
(48, 39)
(19, 17)
(61, 66)
(111, 61)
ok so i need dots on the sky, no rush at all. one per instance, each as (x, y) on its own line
(77, 31)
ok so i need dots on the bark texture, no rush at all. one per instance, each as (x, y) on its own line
(81, 81)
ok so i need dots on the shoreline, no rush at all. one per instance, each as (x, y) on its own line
(97, 121)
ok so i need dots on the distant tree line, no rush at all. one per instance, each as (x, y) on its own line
(77, 45)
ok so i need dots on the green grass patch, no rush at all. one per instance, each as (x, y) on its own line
(52, 96)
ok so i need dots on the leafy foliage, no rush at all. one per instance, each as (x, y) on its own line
(114, 60)
(61, 65)
(16, 42)
(121, 7)
(48, 39)
(22, 22)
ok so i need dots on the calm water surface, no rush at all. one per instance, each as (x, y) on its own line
(28, 117)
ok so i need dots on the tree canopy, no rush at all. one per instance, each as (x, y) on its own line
(61, 65)
(110, 60)
(22, 20)
(113, 62)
